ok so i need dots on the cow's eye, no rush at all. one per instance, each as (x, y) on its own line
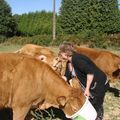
(42, 58)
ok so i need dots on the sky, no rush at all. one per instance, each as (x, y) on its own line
(25, 6)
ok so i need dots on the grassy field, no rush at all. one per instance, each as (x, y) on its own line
(111, 104)
(11, 48)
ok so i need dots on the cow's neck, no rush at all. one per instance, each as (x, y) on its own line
(55, 86)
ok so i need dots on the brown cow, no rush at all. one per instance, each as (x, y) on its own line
(37, 51)
(105, 60)
(25, 81)
(42, 53)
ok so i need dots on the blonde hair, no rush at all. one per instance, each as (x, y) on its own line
(66, 47)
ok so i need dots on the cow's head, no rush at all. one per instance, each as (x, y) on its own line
(56, 63)
(76, 99)
(70, 104)
(59, 65)
(116, 75)
(73, 103)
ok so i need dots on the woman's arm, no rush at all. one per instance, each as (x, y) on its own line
(88, 84)
(67, 72)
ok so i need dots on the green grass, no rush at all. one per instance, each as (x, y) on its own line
(9, 48)
(112, 105)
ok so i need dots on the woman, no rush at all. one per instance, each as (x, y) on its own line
(93, 80)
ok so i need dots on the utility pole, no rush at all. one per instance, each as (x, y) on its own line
(54, 21)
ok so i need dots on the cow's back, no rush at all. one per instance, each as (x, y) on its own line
(34, 50)
(89, 52)
(108, 62)
(16, 72)
(6, 76)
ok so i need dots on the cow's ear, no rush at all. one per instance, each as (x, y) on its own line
(61, 100)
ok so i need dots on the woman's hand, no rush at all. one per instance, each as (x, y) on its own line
(87, 93)
(88, 84)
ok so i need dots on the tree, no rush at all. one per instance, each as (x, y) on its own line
(35, 23)
(8, 25)
(96, 15)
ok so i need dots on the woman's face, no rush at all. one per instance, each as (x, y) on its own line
(64, 56)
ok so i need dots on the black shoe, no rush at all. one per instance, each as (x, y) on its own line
(100, 113)
(98, 118)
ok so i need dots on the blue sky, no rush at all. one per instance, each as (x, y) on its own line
(25, 6)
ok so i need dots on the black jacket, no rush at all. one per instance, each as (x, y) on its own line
(83, 66)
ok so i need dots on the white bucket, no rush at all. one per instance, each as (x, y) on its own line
(87, 112)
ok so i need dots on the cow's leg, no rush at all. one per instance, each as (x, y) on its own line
(19, 113)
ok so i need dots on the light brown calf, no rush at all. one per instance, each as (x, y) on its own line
(42, 53)
(25, 81)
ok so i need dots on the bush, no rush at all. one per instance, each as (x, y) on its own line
(91, 38)
(113, 40)
(2, 38)
(98, 40)
(39, 39)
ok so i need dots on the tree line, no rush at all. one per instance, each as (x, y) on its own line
(34, 23)
(96, 15)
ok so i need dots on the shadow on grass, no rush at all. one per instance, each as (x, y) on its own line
(115, 91)
(50, 113)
